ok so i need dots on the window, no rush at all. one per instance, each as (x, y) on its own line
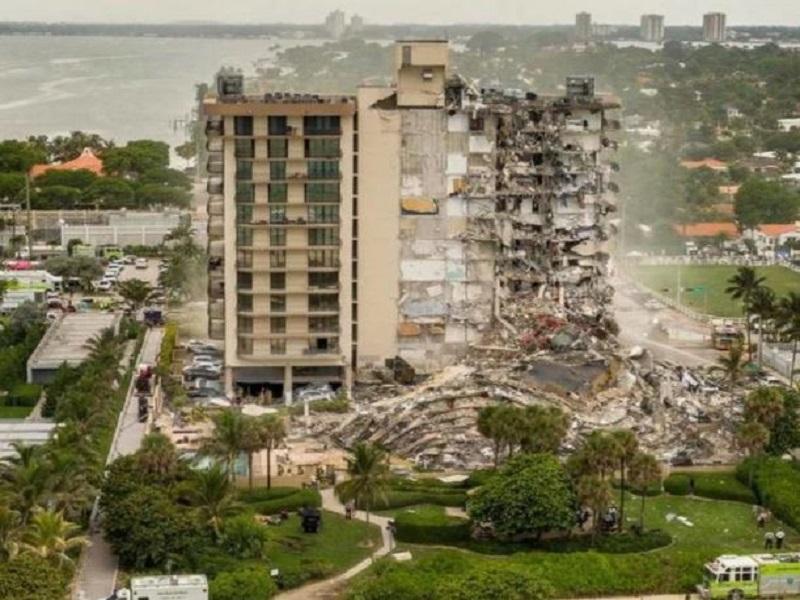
(322, 148)
(244, 258)
(244, 303)
(323, 169)
(323, 258)
(323, 303)
(322, 192)
(323, 237)
(406, 56)
(244, 281)
(277, 170)
(277, 237)
(243, 125)
(323, 324)
(244, 213)
(323, 125)
(277, 304)
(427, 74)
(277, 325)
(278, 192)
(277, 281)
(278, 148)
(277, 347)
(245, 192)
(355, 163)
(244, 236)
(323, 214)
(276, 125)
(277, 214)
(354, 291)
(244, 324)
(244, 345)
(244, 170)
(355, 139)
(277, 259)
(476, 124)
(323, 280)
(245, 148)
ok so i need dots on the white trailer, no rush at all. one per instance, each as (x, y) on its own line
(170, 587)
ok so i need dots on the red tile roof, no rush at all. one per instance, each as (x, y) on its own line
(776, 229)
(707, 230)
(88, 160)
(709, 163)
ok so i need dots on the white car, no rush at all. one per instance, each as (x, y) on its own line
(105, 285)
(141, 263)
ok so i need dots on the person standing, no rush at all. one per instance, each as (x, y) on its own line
(769, 540)
(779, 535)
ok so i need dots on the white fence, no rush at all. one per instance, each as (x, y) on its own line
(779, 358)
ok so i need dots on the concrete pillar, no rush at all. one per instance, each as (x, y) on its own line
(229, 391)
(287, 385)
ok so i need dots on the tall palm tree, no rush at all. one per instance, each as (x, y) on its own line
(227, 441)
(30, 482)
(788, 320)
(643, 472)
(157, 455)
(271, 433)
(762, 304)
(135, 291)
(601, 453)
(732, 364)
(742, 287)
(51, 537)
(212, 493)
(752, 437)
(627, 447)
(368, 469)
(488, 427)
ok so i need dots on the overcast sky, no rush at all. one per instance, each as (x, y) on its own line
(539, 12)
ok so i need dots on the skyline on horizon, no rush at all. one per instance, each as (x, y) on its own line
(412, 12)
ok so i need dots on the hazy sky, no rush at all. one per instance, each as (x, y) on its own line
(755, 12)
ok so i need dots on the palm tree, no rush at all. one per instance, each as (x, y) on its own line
(227, 441)
(272, 432)
(788, 321)
(135, 291)
(594, 492)
(488, 427)
(627, 447)
(600, 451)
(250, 445)
(742, 287)
(211, 492)
(543, 428)
(157, 455)
(762, 304)
(368, 469)
(104, 348)
(29, 479)
(764, 405)
(643, 471)
(51, 537)
(733, 364)
(752, 437)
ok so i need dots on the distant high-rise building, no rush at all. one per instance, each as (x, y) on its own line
(356, 24)
(583, 26)
(335, 24)
(714, 27)
(652, 28)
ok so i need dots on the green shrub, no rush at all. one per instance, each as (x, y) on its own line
(714, 485)
(338, 405)
(309, 569)
(24, 394)
(776, 484)
(243, 584)
(28, 577)
(291, 502)
(480, 477)
(618, 543)
(402, 498)
(431, 526)
(243, 538)
(651, 491)
(426, 484)
(262, 494)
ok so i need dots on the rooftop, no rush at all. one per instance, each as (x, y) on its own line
(30, 433)
(66, 339)
(87, 161)
(707, 230)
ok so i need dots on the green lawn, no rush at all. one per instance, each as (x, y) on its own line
(718, 527)
(714, 280)
(339, 545)
(14, 412)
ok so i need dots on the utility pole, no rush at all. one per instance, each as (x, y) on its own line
(29, 224)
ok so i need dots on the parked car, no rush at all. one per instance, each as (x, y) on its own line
(105, 285)
(141, 263)
(313, 393)
(129, 259)
(201, 347)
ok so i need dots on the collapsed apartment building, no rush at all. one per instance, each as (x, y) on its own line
(447, 231)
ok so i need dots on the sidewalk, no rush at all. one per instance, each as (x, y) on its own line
(98, 567)
(330, 588)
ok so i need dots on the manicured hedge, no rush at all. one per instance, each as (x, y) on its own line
(652, 490)
(714, 485)
(24, 394)
(777, 484)
(480, 477)
(431, 526)
(401, 498)
(618, 543)
(270, 502)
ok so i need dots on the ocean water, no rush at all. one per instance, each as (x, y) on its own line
(121, 88)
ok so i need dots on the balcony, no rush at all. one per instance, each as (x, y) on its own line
(216, 329)
(215, 185)
(216, 310)
(215, 126)
(216, 208)
(321, 351)
(215, 145)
